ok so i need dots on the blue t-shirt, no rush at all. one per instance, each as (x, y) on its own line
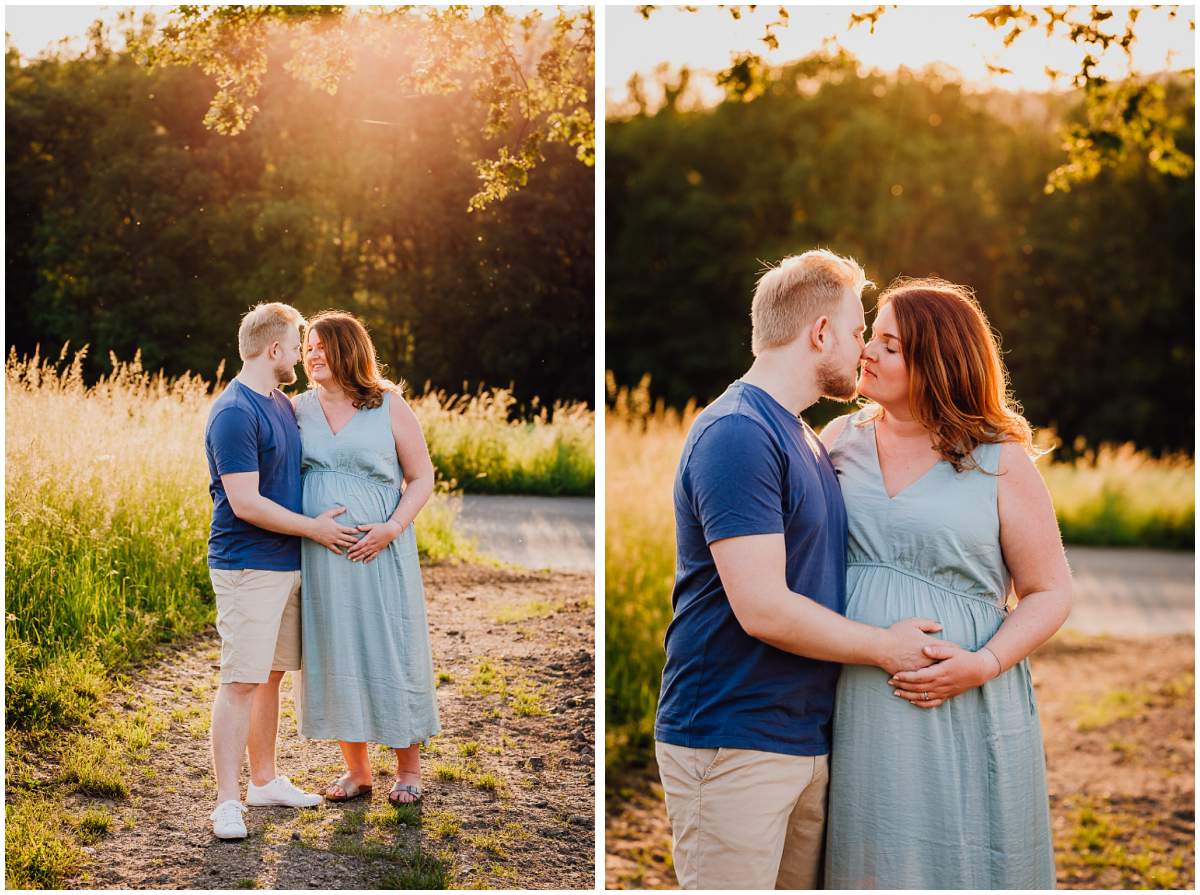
(749, 467)
(249, 432)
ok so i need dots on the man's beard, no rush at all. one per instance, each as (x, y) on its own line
(285, 374)
(835, 384)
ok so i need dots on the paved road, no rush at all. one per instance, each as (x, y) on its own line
(535, 532)
(1131, 592)
(1123, 592)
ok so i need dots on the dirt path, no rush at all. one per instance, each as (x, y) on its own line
(1131, 592)
(1118, 720)
(509, 782)
(533, 532)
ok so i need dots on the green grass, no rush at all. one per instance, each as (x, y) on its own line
(93, 768)
(1119, 705)
(474, 443)
(1113, 706)
(420, 870)
(1102, 846)
(1113, 497)
(523, 696)
(441, 824)
(39, 851)
(93, 825)
(470, 773)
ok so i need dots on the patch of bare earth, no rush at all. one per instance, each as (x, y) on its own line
(1118, 718)
(509, 783)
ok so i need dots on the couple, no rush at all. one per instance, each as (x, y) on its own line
(810, 730)
(312, 552)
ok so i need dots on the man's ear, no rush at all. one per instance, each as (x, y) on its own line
(818, 333)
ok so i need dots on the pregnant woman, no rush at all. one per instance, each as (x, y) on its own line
(368, 671)
(937, 777)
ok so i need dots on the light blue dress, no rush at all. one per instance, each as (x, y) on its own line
(368, 670)
(947, 798)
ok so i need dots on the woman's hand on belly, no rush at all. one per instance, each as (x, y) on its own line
(379, 535)
(957, 671)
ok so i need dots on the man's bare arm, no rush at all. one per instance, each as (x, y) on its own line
(249, 505)
(753, 573)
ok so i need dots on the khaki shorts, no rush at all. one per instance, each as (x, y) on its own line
(258, 618)
(744, 819)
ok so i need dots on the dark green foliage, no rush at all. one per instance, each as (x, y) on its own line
(1092, 289)
(131, 226)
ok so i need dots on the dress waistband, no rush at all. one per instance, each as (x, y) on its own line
(353, 475)
(993, 603)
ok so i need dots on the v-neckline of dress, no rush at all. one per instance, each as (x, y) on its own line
(328, 424)
(879, 468)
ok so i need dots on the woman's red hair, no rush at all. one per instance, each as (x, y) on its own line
(958, 387)
(350, 356)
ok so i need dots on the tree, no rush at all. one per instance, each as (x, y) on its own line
(533, 74)
(1092, 289)
(131, 225)
(1121, 119)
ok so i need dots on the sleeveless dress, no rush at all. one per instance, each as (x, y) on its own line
(367, 667)
(952, 797)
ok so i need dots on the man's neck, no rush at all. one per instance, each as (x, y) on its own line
(258, 379)
(795, 389)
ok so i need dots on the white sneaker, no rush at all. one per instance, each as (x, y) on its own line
(227, 820)
(280, 791)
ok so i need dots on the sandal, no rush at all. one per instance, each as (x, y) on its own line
(350, 790)
(397, 788)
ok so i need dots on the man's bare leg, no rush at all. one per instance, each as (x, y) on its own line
(264, 730)
(230, 730)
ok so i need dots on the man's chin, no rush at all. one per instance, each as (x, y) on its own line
(287, 377)
(840, 391)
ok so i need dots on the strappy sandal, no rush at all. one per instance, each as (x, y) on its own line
(397, 788)
(351, 790)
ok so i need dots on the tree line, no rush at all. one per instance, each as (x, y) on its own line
(1091, 289)
(131, 226)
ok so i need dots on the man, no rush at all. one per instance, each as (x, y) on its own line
(747, 694)
(253, 447)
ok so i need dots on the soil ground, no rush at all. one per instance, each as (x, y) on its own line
(509, 783)
(1118, 718)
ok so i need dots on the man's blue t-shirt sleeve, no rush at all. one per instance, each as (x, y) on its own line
(233, 435)
(735, 479)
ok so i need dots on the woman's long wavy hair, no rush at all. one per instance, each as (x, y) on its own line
(350, 355)
(958, 387)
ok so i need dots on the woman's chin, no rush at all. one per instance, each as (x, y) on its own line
(864, 387)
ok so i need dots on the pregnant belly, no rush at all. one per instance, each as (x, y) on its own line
(364, 500)
(880, 596)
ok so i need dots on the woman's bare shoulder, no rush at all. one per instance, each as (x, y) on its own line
(834, 428)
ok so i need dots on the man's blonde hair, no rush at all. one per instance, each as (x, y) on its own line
(797, 291)
(264, 324)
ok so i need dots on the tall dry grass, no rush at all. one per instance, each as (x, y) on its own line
(107, 516)
(476, 443)
(1112, 496)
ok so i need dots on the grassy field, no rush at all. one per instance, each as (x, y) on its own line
(106, 522)
(1115, 496)
(107, 513)
(474, 444)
